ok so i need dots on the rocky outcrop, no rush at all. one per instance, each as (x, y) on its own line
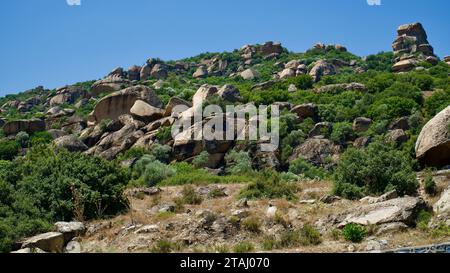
(108, 85)
(119, 103)
(354, 86)
(398, 136)
(201, 72)
(249, 74)
(174, 101)
(134, 73)
(68, 94)
(322, 68)
(308, 110)
(412, 38)
(49, 242)
(361, 124)
(70, 143)
(316, 150)
(145, 112)
(229, 93)
(411, 46)
(30, 126)
(433, 143)
(402, 210)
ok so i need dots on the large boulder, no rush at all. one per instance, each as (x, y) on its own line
(120, 103)
(433, 143)
(145, 72)
(201, 72)
(30, 126)
(402, 210)
(442, 206)
(354, 86)
(322, 68)
(316, 150)
(70, 230)
(249, 74)
(134, 73)
(68, 94)
(108, 85)
(270, 48)
(361, 124)
(308, 110)
(229, 93)
(49, 242)
(204, 93)
(70, 143)
(412, 38)
(404, 65)
(145, 112)
(159, 71)
(174, 101)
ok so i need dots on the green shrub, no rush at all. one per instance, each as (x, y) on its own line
(40, 138)
(164, 246)
(429, 184)
(252, 224)
(161, 152)
(243, 247)
(201, 160)
(354, 233)
(302, 167)
(151, 171)
(190, 196)
(48, 186)
(22, 138)
(342, 132)
(437, 102)
(8, 149)
(423, 218)
(269, 186)
(309, 236)
(238, 162)
(375, 170)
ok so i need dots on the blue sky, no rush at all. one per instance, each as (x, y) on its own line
(50, 43)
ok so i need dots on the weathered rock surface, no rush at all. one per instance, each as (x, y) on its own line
(308, 110)
(316, 151)
(30, 126)
(361, 124)
(322, 68)
(119, 103)
(71, 143)
(403, 210)
(49, 242)
(433, 143)
(145, 112)
(249, 74)
(108, 85)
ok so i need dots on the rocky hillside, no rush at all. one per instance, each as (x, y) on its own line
(350, 127)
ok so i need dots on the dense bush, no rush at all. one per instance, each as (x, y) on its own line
(22, 139)
(8, 149)
(354, 233)
(342, 132)
(375, 170)
(48, 186)
(269, 186)
(238, 162)
(302, 167)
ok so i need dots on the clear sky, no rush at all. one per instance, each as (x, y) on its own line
(51, 43)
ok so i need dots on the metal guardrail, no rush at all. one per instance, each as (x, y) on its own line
(439, 248)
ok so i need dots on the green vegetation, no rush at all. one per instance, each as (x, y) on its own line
(47, 186)
(354, 233)
(378, 169)
(269, 186)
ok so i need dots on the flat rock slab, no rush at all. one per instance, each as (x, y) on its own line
(48, 242)
(395, 210)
